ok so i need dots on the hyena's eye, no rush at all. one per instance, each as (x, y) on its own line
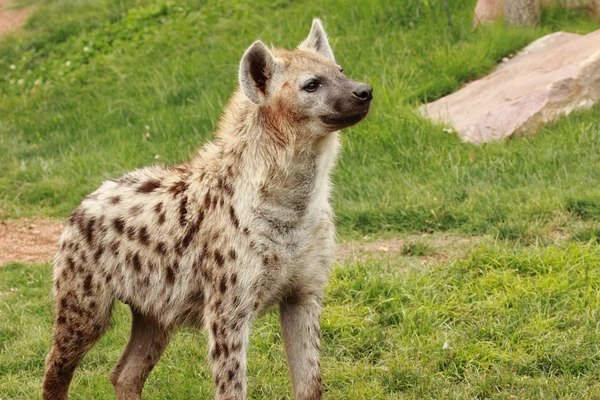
(311, 86)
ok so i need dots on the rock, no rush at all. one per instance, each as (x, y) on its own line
(551, 77)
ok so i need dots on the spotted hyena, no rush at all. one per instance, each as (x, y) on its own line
(213, 242)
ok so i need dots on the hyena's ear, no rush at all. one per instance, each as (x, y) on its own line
(256, 70)
(317, 40)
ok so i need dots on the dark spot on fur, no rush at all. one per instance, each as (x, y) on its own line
(115, 199)
(246, 231)
(230, 375)
(223, 284)
(214, 328)
(89, 230)
(87, 284)
(149, 186)
(158, 208)
(183, 210)
(143, 236)
(234, 217)
(135, 262)
(225, 350)
(161, 218)
(108, 277)
(70, 263)
(207, 200)
(98, 253)
(161, 248)
(216, 353)
(119, 225)
(178, 187)
(75, 216)
(232, 254)
(234, 279)
(219, 258)
(170, 276)
(61, 320)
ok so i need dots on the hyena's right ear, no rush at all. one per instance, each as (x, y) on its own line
(256, 70)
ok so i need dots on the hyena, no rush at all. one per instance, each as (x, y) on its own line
(244, 225)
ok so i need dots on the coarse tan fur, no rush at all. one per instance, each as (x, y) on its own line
(213, 242)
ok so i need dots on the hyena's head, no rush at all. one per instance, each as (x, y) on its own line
(303, 89)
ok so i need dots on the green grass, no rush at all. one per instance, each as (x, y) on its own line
(504, 322)
(72, 118)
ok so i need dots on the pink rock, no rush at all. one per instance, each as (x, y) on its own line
(551, 77)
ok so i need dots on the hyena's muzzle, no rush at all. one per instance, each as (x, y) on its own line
(351, 103)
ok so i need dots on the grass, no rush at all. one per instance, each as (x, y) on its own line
(504, 323)
(101, 87)
(95, 88)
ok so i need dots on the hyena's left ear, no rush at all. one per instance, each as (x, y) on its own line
(317, 40)
(256, 71)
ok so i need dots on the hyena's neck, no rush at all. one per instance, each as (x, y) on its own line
(268, 159)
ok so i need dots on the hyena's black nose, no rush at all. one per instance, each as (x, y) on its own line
(363, 92)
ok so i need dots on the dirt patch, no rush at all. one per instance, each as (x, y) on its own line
(412, 249)
(10, 19)
(29, 240)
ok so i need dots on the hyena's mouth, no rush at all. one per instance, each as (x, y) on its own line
(339, 121)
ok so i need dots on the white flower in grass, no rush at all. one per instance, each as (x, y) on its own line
(21, 81)
(86, 49)
(12, 66)
(68, 63)
(37, 82)
(156, 157)
(446, 345)
(147, 127)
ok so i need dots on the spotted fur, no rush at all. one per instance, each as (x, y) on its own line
(212, 243)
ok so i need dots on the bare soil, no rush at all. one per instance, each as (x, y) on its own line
(11, 19)
(29, 240)
(440, 247)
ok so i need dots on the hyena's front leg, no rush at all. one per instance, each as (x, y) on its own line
(300, 323)
(228, 343)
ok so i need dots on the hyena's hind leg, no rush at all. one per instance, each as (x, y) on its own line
(147, 343)
(83, 306)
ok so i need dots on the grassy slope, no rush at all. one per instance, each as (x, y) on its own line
(517, 323)
(170, 67)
